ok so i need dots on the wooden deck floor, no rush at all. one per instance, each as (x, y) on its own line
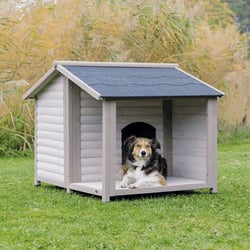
(174, 184)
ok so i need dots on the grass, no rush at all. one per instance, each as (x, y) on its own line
(48, 218)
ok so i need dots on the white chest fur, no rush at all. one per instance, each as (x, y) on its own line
(138, 173)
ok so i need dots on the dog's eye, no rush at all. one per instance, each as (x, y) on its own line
(147, 146)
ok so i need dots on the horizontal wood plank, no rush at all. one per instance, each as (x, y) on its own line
(50, 151)
(91, 162)
(90, 170)
(89, 178)
(90, 128)
(91, 153)
(50, 177)
(50, 143)
(91, 111)
(52, 94)
(50, 159)
(91, 144)
(50, 135)
(49, 103)
(192, 135)
(57, 111)
(50, 119)
(90, 102)
(50, 127)
(53, 168)
(91, 119)
(94, 136)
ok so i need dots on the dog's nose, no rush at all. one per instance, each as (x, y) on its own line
(143, 153)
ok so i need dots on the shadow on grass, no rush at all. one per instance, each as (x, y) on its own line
(158, 195)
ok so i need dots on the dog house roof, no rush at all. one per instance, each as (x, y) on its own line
(127, 80)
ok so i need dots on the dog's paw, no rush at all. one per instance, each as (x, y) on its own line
(123, 185)
(133, 186)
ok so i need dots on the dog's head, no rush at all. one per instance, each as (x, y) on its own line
(139, 148)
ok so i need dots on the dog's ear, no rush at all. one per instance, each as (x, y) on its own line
(127, 147)
(130, 140)
(155, 144)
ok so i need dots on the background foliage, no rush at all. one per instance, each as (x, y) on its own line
(241, 9)
(202, 36)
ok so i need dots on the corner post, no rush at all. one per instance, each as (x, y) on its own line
(37, 183)
(212, 144)
(108, 148)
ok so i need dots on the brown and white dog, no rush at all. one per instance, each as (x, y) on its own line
(142, 165)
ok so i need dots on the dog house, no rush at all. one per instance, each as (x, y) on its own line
(84, 110)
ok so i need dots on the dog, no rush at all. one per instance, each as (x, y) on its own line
(142, 165)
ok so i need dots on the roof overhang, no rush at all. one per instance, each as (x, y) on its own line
(56, 70)
(60, 67)
(40, 84)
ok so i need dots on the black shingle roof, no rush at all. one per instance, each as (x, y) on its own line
(127, 82)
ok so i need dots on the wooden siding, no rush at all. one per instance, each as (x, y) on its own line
(189, 134)
(91, 138)
(148, 111)
(190, 138)
(50, 134)
(129, 111)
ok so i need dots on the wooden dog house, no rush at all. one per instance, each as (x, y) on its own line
(84, 110)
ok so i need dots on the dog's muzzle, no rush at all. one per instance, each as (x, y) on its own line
(143, 153)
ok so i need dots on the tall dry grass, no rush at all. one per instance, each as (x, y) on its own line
(199, 35)
(16, 120)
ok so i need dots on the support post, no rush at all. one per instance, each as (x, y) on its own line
(168, 134)
(108, 148)
(72, 131)
(212, 144)
(36, 182)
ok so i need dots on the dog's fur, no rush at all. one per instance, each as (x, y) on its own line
(142, 165)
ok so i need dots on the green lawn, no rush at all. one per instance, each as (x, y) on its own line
(48, 218)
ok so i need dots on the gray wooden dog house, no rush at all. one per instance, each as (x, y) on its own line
(83, 111)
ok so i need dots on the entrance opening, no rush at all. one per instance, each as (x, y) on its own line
(139, 129)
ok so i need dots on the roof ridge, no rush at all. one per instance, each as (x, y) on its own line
(115, 64)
